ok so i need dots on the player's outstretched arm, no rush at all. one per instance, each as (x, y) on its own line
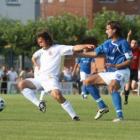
(81, 47)
(87, 55)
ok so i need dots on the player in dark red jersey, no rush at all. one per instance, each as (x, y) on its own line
(132, 84)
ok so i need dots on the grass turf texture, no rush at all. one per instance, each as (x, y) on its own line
(21, 120)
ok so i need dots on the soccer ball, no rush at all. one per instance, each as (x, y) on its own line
(2, 104)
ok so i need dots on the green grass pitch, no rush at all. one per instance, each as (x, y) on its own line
(21, 120)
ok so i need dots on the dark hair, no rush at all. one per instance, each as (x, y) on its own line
(47, 36)
(114, 24)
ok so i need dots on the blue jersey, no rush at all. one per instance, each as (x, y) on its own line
(85, 64)
(116, 52)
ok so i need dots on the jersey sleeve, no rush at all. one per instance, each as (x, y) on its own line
(99, 50)
(78, 60)
(37, 54)
(102, 49)
(126, 50)
(66, 50)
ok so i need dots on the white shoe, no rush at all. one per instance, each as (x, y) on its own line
(118, 119)
(100, 112)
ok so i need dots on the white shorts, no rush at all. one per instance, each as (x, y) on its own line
(48, 83)
(83, 75)
(122, 76)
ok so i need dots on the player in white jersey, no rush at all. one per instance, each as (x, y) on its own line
(50, 60)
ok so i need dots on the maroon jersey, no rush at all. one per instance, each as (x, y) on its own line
(136, 55)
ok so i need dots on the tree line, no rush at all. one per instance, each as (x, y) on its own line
(67, 29)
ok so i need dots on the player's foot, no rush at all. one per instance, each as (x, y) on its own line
(42, 106)
(118, 119)
(125, 103)
(84, 96)
(76, 118)
(100, 112)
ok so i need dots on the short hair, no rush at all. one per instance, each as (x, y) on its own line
(114, 24)
(45, 35)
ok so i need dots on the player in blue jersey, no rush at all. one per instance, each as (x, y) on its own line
(119, 57)
(87, 66)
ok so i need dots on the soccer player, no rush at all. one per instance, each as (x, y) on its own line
(119, 57)
(87, 65)
(134, 67)
(50, 61)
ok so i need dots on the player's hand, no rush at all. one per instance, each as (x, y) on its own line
(38, 66)
(129, 33)
(90, 46)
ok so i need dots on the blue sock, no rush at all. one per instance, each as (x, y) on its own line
(116, 98)
(95, 94)
(84, 90)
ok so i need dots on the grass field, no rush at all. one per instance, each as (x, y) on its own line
(21, 120)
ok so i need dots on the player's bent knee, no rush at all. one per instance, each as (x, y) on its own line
(110, 89)
(113, 87)
(86, 82)
(22, 85)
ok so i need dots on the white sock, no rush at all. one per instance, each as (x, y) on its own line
(67, 106)
(29, 94)
(42, 95)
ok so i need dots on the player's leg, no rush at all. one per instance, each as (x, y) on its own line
(83, 76)
(126, 92)
(64, 103)
(84, 91)
(114, 86)
(26, 87)
(119, 80)
(54, 89)
(91, 83)
(134, 84)
(134, 79)
(42, 95)
(78, 84)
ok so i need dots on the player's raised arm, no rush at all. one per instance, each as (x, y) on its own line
(128, 36)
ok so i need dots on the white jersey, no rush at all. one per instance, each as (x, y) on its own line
(50, 59)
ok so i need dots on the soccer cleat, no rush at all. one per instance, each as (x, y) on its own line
(100, 112)
(125, 103)
(118, 119)
(76, 118)
(42, 106)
